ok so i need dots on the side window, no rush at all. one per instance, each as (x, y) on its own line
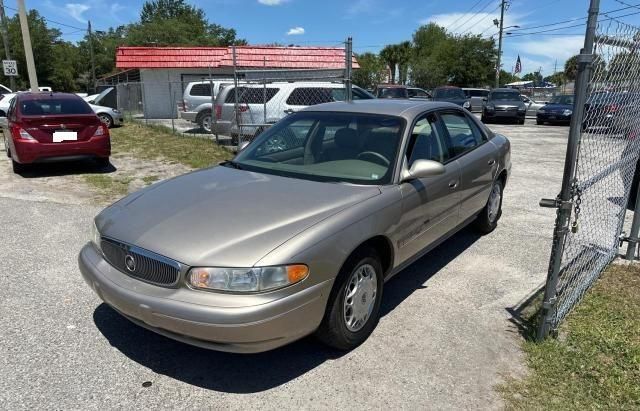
(200, 90)
(421, 93)
(358, 94)
(248, 95)
(426, 143)
(309, 96)
(463, 135)
(11, 114)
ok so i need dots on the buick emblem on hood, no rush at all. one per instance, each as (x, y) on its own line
(130, 263)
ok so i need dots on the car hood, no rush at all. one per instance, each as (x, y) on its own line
(506, 103)
(224, 217)
(458, 101)
(557, 107)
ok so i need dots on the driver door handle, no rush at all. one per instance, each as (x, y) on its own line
(453, 184)
(289, 111)
(491, 162)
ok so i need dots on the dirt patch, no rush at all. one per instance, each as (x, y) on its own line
(83, 182)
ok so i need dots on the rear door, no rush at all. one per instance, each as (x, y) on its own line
(42, 117)
(477, 158)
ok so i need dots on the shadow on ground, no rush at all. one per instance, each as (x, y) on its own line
(65, 168)
(238, 373)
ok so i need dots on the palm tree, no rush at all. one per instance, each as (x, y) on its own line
(404, 50)
(389, 54)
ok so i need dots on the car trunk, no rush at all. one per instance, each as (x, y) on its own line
(42, 127)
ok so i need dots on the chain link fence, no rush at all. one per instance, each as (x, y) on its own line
(602, 155)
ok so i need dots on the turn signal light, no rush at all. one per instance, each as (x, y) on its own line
(297, 272)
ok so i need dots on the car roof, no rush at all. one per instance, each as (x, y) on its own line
(285, 84)
(475, 88)
(43, 95)
(503, 89)
(391, 86)
(402, 108)
(441, 87)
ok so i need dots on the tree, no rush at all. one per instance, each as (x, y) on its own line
(558, 78)
(390, 55)
(426, 70)
(403, 51)
(173, 22)
(372, 71)
(506, 78)
(536, 77)
(571, 68)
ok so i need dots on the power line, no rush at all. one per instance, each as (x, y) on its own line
(53, 21)
(468, 30)
(463, 15)
(636, 6)
(472, 17)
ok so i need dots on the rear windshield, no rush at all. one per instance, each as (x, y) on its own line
(200, 90)
(248, 95)
(505, 95)
(562, 100)
(54, 106)
(394, 92)
(450, 93)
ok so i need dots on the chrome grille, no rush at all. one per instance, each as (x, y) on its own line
(143, 265)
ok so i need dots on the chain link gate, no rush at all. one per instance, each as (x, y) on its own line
(600, 165)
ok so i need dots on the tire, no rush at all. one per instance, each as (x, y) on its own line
(539, 122)
(102, 162)
(487, 220)
(106, 119)
(521, 122)
(204, 121)
(17, 167)
(334, 330)
(484, 120)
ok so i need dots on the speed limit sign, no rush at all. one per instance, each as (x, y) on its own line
(10, 67)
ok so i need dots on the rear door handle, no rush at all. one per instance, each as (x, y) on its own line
(491, 162)
(453, 184)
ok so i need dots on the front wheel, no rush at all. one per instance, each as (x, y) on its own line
(539, 122)
(487, 220)
(353, 309)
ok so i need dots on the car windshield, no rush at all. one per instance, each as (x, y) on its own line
(395, 92)
(504, 95)
(327, 146)
(54, 106)
(568, 100)
(449, 93)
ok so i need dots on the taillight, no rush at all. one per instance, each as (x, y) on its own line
(100, 131)
(611, 108)
(243, 107)
(21, 133)
(218, 111)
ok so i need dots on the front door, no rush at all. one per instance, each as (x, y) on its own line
(429, 205)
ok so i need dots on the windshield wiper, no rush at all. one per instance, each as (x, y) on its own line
(233, 164)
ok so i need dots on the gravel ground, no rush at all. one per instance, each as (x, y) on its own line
(444, 342)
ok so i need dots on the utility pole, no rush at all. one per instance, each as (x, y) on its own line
(93, 61)
(502, 4)
(5, 41)
(28, 53)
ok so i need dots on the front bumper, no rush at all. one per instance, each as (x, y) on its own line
(512, 114)
(189, 116)
(244, 329)
(553, 117)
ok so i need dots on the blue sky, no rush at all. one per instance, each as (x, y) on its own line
(371, 23)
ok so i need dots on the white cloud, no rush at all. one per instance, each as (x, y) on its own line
(295, 31)
(542, 53)
(271, 2)
(75, 10)
(472, 23)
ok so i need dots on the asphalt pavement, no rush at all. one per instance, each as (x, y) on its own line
(445, 340)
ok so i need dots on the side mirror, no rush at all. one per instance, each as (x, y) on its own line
(484, 99)
(242, 146)
(423, 169)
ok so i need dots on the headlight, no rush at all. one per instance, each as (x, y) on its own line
(567, 112)
(116, 111)
(541, 111)
(522, 108)
(466, 104)
(95, 235)
(490, 107)
(247, 279)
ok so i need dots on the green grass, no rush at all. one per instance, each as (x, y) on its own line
(152, 141)
(150, 179)
(108, 186)
(595, 361)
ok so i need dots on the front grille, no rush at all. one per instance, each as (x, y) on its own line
(141, 264)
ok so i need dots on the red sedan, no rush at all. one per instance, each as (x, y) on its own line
(44, 127)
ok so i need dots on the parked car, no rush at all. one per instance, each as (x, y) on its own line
(610, 111)
(415, 92)
(5, 101)
(504, 104)
(476, 96)
(557, 111)
(110, 117)
(451, 94)
(196, 101)
(4, 89)
(328, 204)
(391, 91)
(532, 105)
(45, 127)
(280, 99)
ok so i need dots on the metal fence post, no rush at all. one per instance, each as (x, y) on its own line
(348, 59)
(635, 229)
(214, 119)
(564, 200)
(171, 104)
(235, 96)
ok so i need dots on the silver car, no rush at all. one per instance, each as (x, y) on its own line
(298, 234)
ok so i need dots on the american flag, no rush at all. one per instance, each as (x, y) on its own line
(518, 66)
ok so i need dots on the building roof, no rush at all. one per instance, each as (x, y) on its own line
(246, 57)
